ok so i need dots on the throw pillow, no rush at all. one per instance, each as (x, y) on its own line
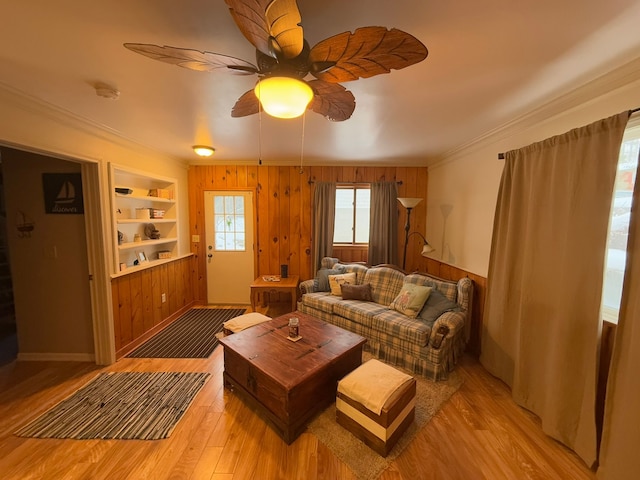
(357, 292)
(435, 306)
(411, 299)
(321, 282)
(335, 281)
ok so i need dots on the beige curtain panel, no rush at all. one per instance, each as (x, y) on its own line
(619, 455)
(542, 317)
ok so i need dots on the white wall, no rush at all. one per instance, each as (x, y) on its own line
(467, 182)
(30, 125)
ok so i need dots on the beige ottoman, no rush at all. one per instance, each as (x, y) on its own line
(376, 403)
(239, 323)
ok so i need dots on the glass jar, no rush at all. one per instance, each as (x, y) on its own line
(294, 331)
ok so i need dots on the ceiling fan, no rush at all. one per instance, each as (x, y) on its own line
(283, 56)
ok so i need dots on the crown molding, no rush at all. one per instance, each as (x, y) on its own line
(42, 108)
(613, 80)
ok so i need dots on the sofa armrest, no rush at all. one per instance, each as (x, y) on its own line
(446, 325)
(307, 286)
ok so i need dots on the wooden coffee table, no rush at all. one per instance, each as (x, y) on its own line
(289, 382)
(289, 284)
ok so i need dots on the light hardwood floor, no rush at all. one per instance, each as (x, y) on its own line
(479, 434)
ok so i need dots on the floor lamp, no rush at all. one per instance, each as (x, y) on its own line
(409, 204)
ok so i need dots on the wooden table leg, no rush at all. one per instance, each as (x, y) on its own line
(294, 300)
(253, 299)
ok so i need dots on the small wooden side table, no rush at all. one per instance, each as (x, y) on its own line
(289, 284)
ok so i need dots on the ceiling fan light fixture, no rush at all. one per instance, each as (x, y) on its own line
(283, 97)
(203, 150)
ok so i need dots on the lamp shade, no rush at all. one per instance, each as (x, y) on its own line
(427, 249)
(283, 97)
(409, 202)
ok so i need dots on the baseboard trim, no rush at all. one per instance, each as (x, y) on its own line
(56, 357)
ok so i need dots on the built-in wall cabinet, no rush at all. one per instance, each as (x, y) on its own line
(152, 284)
(145, 219)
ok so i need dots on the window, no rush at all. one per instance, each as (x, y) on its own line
(229, 224)
(619, 223)
(352, 215)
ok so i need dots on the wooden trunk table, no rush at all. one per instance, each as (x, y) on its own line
(289, 382)
(287, 285)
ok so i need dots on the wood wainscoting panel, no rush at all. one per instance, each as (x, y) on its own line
(138, 309)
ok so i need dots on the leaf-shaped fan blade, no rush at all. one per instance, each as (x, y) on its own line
(272, 26)
(332, 100)
(193, 59)
(247, 104)
(367, 52)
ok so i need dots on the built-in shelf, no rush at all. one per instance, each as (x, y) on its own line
(150, 220)
(145, 243)
(134, 249)
(146, 199)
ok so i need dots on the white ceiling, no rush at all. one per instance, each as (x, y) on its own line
(489, 62)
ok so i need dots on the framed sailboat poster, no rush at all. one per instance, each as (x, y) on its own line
(63, 193)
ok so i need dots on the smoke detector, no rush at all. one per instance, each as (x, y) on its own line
(106, 91)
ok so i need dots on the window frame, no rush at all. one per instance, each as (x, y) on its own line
(355, 187)
(235, 231)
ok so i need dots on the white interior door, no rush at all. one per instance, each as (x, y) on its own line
(229, 247)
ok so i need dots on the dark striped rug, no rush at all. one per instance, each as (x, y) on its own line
(193, 335)
(122, 405)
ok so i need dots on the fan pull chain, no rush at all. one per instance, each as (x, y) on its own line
(304, 116)
(259, 130)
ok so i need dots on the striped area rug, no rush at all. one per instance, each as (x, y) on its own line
(193, 335)
(122, 405)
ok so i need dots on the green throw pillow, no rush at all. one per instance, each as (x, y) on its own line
(411, 299)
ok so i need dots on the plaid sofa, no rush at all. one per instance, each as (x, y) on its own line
(428, 350)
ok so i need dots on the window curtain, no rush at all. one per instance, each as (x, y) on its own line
(324, 202)
(542, 317)
(619, 457)
(383, 224)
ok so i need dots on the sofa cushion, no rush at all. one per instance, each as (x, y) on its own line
(321, 282)
(385, 283)
(357, 292)
(448, 288)
(359, 269)
(328, 262)
(322, 301)
(411, 299)
(435, 306)
(357, 311)
(335, 282)
(396, 327)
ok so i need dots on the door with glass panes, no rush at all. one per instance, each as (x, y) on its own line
(229, 229)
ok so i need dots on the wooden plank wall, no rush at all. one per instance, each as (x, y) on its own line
(284, 212)
(138, 310)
